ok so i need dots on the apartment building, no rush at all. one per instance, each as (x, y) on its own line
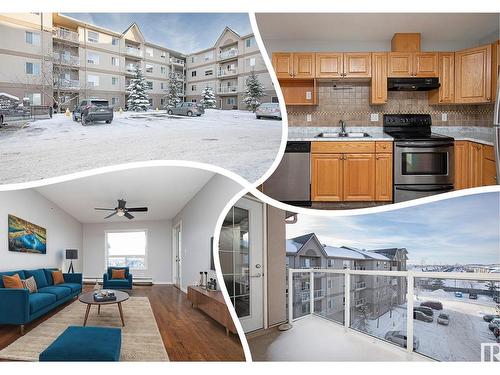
(225, 68)
(374, 295)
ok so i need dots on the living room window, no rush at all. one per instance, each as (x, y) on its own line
(127, 249)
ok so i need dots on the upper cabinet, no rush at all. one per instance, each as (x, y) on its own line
(283, 65)
(378, 90)
(294, 65)
(473, 75)
(412, 64)
(400, 64)
(358, 65)
(425, 64)
(329, 65)
(343, 65)
(446, 92)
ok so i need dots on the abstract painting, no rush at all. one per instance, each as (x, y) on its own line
(26, 237)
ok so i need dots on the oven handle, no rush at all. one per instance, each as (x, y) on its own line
(447, 188)
(423, 145)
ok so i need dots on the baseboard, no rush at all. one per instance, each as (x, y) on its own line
(163, 283)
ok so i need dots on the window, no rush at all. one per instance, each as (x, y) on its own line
(114, 81)
(92, 80)
(307, 261)
(33, 68)
(150, 85)
(208, 56)
(251, 61)
(92, 37)
(193, 59)
(250, 42)
(231, 101)
(35, 98)
(32, 38)
(92, 58)
(114, 41)
(209, 72)
(163, 70)
(346, 264)
(114, 101)
(193, 88)
(163, 55)
(150, 102)
(126, 249)
(149, 52)
(330, 303)
(162, 102)
(115, 61)
(162, 85)
(330, 284)
(149, 68)
(193, 73)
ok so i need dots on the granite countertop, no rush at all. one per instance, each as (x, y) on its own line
(483, 135)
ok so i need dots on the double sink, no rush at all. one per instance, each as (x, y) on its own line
(343, 135)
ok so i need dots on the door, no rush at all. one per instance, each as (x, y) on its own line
(473, 75)
(475, 164)
(283, 65)
(378, 92)
(329, 65)
(425, 64)
(241, 255)
(359, 177)
(446, 92)
(177, 246)
(383, 177)
(461, 165)
(357, 65)
(303, 65)
(400, 64)
(326, 177)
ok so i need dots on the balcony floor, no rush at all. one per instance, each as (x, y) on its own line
(308, 341)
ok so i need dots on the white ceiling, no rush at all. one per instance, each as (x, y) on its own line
(436, 27)
(164, 190)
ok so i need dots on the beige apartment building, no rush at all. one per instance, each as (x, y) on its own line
(49, 57)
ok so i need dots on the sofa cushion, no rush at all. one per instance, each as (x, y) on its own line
(11, 273)
(117, 274)
(118, 282)
(13, 281)
(59, 291)
(85, 344)
(39, 275)
(73, 286)
(39, 301)
(110, 271)
(48, 275)
(30, 284)
(57, 277)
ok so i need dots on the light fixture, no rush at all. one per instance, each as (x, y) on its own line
(120, 213)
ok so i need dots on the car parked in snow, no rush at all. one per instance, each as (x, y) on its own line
(458, 294)
(269, 110)
(496, 299)
(472, 295)
(91, 110)
(443, 319)
(495, 323)
(186, 109)
(418, 315)
(426, 310)
(496, 332)
(399, 338)
(433, 305)
(489, 317)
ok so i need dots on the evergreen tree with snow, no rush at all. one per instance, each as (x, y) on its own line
(137, 90)
(437, 284)
(174, 89)
(208, 98)
(254, 90)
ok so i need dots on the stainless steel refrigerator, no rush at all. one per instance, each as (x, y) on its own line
(496, 125)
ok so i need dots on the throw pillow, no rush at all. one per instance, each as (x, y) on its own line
(117, 274)
(13, 281)
(30, 284)
(58, 277)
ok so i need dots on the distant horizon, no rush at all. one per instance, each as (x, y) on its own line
(454, 231)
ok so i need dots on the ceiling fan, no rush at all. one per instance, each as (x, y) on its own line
(121, 210)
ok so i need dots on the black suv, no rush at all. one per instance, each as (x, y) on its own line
(90, 110)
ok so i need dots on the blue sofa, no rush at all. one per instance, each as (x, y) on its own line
(110, 283)
(18, 306)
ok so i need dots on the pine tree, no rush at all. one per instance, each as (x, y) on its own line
(254, 90)
(437, 284)
(208, 98)
(174, 89)
(138, 99)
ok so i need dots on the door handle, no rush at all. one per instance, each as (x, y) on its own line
(256, 275)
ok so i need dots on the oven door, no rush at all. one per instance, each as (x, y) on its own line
(424, 163)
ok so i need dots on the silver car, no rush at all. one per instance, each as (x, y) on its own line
(186, 109)
(269, 110)
(399, 338)
(443, 319)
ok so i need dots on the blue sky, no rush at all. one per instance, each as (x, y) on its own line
(457, 230)
(183, 32)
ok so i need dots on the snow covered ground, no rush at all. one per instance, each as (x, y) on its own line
(459, 341)
(234, 140)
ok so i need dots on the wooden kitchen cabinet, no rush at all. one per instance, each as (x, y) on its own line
(299, 92)
(489, 166)
(445, 94)
(399, 64)
(475, 164)
(283, 65)
(425, 64)
(294, 65)
(303, 65)
(412, 64)
(383, 172)
(359, 177)
(343, 65)
(473, 75)
(378, 89)
(326, 177)
(461, 155)
(357, 65)
(329, 65)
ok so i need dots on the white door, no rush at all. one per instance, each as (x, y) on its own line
(177, 238)
(241, 255)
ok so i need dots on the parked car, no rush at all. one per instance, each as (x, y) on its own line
(489, 317)
(419, 315)
(458, 294)
(496, 332)
(496, 299)
(433, 305)
(399, 338)
(495, 323)
(424, 309)
(186, 109)
(270, 110)
(91, 110)
(443, 319)
(472, 295)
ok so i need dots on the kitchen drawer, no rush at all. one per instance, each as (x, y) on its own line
(383, 147)
(353, 147)
(488, 152)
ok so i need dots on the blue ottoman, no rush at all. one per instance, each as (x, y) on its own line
(85, 344)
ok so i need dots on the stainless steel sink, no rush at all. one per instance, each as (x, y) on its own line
(343, 135)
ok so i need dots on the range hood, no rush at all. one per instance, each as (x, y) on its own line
(412, 84)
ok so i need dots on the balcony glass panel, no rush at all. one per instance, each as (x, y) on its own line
(329, 296)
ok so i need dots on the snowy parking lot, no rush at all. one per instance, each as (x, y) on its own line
(234, 140)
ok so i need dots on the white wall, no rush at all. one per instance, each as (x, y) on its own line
(199, 218)
(63, 231)
(159, 257)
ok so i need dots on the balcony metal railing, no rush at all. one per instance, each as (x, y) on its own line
(64, 34)
(177, 61)
(360, 285)
(130, 68)
(350, 302)
(67, 84)
(227, 72)
(229, 54)
(227, 90)
(61, 58)
(134, 52)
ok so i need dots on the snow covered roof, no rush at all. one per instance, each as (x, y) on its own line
(342, 252)
(292, 246)
(9, 96)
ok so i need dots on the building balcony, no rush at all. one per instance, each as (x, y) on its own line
(229, 54)
(179, 77)
(67, 84)
(306, 295)
(130, 69)
(66, 35)
(222, 73)
(135, 52)
(360, 286)
(227, 90)
(177, 61)
(64, 59)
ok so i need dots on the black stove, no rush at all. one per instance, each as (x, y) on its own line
(411, 127)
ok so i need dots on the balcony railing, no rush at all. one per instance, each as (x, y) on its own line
(177, 61)
(360, 285)
(227, 72)
(133, 52)
(61, 58)
(227, 90)
(130, 68)
(64, 34)
(306, 294)
(67, 84)
(229, 54)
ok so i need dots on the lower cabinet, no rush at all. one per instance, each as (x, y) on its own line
(359, 177)
(489, 166)
(461, 151)
(383, 177)
(326, 177)
(474, 165)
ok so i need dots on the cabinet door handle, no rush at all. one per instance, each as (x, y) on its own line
(488, 99)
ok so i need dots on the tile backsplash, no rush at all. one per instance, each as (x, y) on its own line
(351, 102)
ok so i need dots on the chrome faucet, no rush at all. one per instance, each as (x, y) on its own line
(342, 124)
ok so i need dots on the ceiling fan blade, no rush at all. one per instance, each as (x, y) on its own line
(121, 203)
(113, 214)
(137, 209)
(105, 209)
(128, 216)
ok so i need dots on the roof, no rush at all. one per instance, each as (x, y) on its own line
(391, 252)
(342, 252)
(9, 96)
(293, 245)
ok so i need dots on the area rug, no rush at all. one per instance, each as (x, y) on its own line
(141, 340)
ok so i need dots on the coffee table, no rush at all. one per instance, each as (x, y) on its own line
(88, 299)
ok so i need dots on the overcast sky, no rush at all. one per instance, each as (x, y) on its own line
(183, 32)
(458, 230)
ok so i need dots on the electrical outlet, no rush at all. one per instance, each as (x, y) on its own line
(444, 117)
(374, 117)
(308, 95)
(308, 117)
